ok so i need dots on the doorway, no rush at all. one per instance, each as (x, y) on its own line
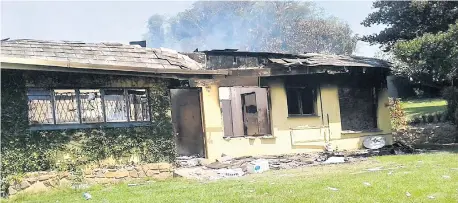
(187, 122)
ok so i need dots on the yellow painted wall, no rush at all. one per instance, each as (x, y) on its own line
(306, 138)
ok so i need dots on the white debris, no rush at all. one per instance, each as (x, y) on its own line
(333, 189)
(258, 166)
(366, 184)
(446, 177)
(334, 160)
(390, 173)
(87, 196)
(431, 197)
(227, 173)
(375, 169)
(408, 194)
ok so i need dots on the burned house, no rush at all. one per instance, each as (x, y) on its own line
(272, 103)
(216, 102)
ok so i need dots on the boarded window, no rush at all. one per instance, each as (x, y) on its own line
(301, 100)
(358, 108)
(245, 111)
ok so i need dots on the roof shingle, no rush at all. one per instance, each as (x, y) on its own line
(98, 54)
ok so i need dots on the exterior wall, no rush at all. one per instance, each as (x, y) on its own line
(45, 180)
(25, 150)
(289, 134)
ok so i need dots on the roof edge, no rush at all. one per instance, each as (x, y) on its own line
(77, 65)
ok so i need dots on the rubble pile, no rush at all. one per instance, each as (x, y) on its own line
(227, 166)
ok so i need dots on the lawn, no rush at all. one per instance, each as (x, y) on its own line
(434, 175)
(415, 108)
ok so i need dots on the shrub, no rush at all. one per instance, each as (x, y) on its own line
(450, 94)
(398, 116)
(415, 120)
(430, 118)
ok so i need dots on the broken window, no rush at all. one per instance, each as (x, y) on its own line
(301, 100)
(80, 106)
(245, 111)
(358, 108)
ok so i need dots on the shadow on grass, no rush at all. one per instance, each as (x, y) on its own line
(452, 147)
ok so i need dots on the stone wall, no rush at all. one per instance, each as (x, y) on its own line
(46, 180)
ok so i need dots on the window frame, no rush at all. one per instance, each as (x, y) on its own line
(54, 125)
(299, 101)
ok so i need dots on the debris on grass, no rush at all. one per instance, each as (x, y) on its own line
(431, 197)
(333, 189)
(390, 173)
(366, 184)
(375, 169)
(408, 194)
(446, 177)
(334, 160)
(87, 196)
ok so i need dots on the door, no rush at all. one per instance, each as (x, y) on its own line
(187, 121)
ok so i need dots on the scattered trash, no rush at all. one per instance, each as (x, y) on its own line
(390, 173)
(87, 196)
(367, 184)
(333, 189)
(132, 184)
(420, 161)
(187, 161)
(250, 190)
(334, 160)
(375, 169)
(446, 177)
(408, 194)
(237, 172)
(431, 197)
(258, 166)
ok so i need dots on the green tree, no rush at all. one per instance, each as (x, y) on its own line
(294, 27)
(407, 20)
(431, 59)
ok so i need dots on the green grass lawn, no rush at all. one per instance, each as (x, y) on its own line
(420, 175)
(415, 108)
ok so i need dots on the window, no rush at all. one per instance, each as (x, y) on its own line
(358, 106)
(87, 106)
(245, 111)
(301, 100)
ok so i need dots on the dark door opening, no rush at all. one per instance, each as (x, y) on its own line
(187, 122)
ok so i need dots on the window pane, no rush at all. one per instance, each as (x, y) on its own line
(66, 106)
(308, 101)
(293, 101)
(40, 106)
(91, 106)
(138, 105)
(115, 105)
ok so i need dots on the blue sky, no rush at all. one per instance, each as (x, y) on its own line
(117, 21)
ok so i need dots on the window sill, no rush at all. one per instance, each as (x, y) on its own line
(252, 137)
(303, 116)
(88, 125)
(361, 131)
